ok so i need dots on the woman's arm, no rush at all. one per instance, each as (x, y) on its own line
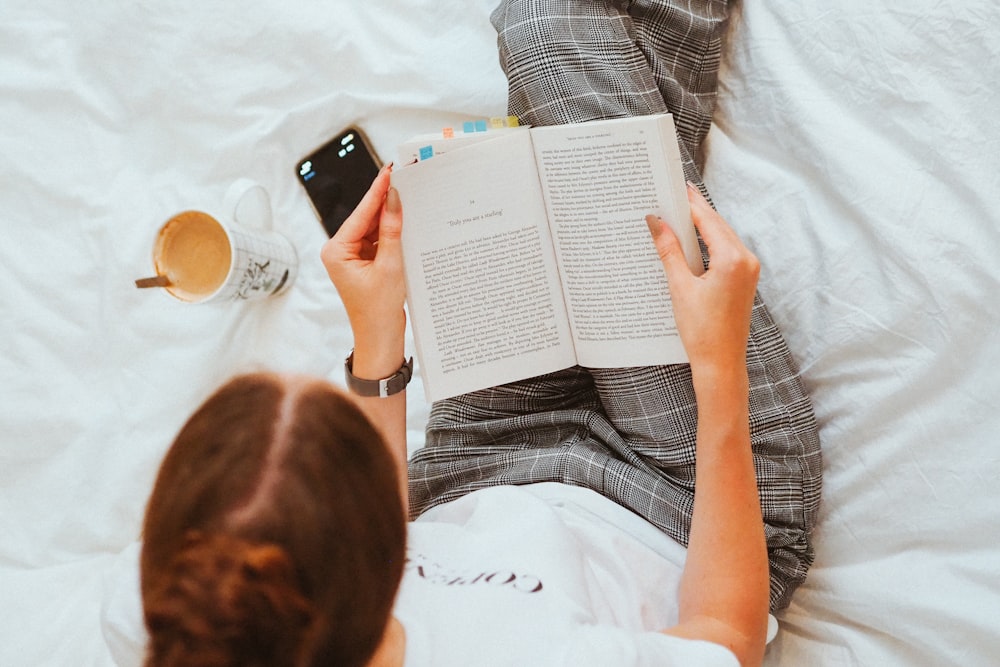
(724, 587)
(365, 262)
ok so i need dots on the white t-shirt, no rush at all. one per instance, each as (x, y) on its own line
(544, 574)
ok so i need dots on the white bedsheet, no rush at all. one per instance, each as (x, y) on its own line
(856, 149)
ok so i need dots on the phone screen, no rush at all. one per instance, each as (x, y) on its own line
(337, 175)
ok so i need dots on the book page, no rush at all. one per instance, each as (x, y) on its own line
(482, 285)
(600, 180)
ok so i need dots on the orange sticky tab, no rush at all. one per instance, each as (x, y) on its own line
(448, 133)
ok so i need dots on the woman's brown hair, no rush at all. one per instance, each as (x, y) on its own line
(275, 533)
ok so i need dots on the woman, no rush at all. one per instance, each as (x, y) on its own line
(551, 511)
(275, 532)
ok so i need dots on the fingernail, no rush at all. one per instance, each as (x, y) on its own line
(392, 203)
(655, 225)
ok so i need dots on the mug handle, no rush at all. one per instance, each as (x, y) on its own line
(248, 204)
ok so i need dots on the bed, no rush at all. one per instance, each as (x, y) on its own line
(856, 149)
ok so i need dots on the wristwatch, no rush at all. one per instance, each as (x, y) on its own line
(393, 384)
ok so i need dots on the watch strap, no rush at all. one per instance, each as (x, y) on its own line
(383, 388)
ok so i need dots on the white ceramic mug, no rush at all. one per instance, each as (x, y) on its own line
(200, 259)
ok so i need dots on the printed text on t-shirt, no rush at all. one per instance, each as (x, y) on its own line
(436, 573)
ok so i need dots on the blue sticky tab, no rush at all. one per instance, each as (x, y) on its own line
(426, 152)
(468, 127)
(481, 125)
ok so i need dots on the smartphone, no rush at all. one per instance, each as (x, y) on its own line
(337, 175)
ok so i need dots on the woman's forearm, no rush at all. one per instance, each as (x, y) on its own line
(379, 354)
(725, 580)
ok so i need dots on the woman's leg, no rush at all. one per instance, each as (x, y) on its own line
(569, 61)
(572, 61)
(518, 433)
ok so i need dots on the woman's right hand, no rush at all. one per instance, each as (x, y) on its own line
(723, 595)
(712, 311)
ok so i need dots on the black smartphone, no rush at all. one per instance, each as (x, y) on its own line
(337, 175)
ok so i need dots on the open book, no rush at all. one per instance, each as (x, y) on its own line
(527, 252)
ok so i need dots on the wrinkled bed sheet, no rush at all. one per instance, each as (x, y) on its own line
(855, 149)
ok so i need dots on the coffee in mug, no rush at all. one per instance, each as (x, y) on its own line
(194, 253)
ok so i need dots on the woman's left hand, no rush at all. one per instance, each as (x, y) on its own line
(364, 259)
(365, 262)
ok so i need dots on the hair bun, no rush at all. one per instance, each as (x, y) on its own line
(227, 601)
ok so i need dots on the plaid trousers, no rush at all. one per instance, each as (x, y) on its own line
(627, 433)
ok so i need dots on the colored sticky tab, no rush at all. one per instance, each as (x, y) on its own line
(496, 123)
(481, 125)
(512, 121)
(427, 152)
(468, 127)
(448, 133)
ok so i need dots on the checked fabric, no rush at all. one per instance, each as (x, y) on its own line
(627, 433)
